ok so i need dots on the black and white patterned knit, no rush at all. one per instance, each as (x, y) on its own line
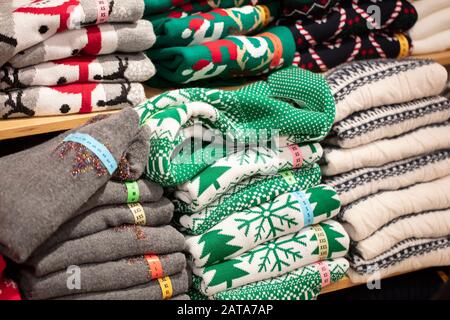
(408, 255)
(362, 85)
(388, 121)
(359, 183)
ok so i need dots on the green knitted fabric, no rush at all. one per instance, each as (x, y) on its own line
(274, 258)
(187, 7)
(302, 284)
(233, 56)
(214, 25)
(155, 6)
(242, 231)
(216, 179)
(244, 195)
(293, 105)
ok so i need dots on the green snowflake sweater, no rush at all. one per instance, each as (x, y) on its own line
(214, 25)
(276, 257)
(293, 106)
(304, 283)
(242, 231)
(216, 179)
(233, 56)
(244, 195)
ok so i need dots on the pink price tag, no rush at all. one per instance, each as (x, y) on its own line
(324, 273)
(296, 156)
(102, 11)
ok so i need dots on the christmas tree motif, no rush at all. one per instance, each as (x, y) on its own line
(173, 113)
(317, 196)
(212, 250)
(209, 177)
(334, 246)
(277, 253)
(225, 272)
(267, 220)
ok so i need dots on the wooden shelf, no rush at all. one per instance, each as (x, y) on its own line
(441, 57)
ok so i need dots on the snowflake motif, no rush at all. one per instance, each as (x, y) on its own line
(277, 253)
(268, 220)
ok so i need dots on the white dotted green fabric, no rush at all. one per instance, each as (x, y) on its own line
(294, 104)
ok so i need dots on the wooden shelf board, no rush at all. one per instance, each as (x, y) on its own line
(441, 57)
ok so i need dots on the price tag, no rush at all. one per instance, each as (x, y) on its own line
(289, 177)
(305, 207)
(322, 240)
(155, 266)
(96, 147)
(102, 11)
(325, 274)
(297, 156)
(166, 287)
(133, 192)
(138, 213)
(404, 45)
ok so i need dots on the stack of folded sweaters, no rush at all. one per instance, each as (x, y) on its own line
(243, 169)
(328, 33)
(72, 56)
(432, 31)
(8, 288)
(389, 161)
(88, 227)
(198, 40)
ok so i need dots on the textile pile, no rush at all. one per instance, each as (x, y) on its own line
(72, 56)
(329, 33)
(432, 31)
(89, 227)
(243, 173)
(388, 158)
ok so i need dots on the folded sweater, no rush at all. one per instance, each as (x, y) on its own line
(366, 84)
(364, 217)
(114, 68)
(415, 143)
(101, 277)
(83, 161)
(33, 22)
(107, 245)
(266, 110)
(276, 257)
(242, 231)
(244, 195)
(153, 214)
(360, 183)
(89, 40)
(160, 289)
(388, 121)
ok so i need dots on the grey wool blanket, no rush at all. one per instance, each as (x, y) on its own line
(101, 277)
(153, 214)
(45, 186)
(148, 291)
(108, 245)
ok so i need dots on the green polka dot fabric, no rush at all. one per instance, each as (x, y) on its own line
(244, 195)
(293, 106)
(302, 284)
